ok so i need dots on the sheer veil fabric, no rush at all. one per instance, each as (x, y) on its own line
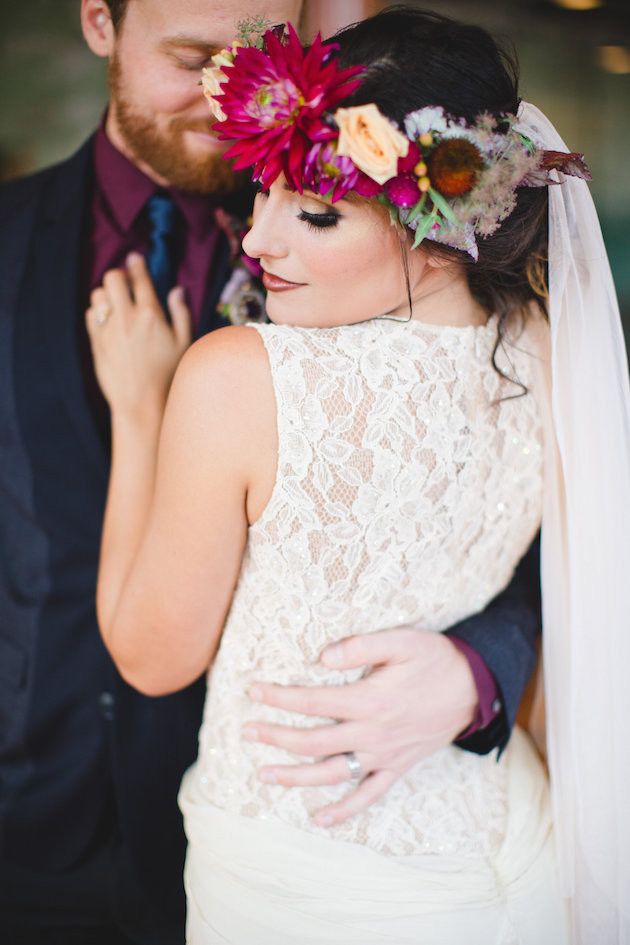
(586, 563)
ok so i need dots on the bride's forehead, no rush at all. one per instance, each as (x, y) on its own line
(280, 184)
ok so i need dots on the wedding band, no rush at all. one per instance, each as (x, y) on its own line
(354, 765)
(102, 314)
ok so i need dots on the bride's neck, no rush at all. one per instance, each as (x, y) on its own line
(443, 298)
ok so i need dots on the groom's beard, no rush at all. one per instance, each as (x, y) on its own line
(167, 152)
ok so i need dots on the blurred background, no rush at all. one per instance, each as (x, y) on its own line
(575, 65)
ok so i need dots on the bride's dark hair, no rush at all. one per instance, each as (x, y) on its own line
(415, 58)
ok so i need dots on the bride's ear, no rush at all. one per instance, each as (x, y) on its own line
(97, 26)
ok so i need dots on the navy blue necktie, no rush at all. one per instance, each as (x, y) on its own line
(162, 214)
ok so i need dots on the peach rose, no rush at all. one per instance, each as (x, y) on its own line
(371, 141)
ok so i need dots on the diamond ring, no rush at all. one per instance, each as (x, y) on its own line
(354, 766)
(101, 314)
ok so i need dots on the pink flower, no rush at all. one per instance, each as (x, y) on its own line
(328, 173)
(274, 102)
(367, 186)
(413, 156)
(402, 190)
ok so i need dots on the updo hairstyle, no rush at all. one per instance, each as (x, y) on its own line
(415, 58)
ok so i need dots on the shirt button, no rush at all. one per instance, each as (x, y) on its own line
(106, 703)
(496, 706)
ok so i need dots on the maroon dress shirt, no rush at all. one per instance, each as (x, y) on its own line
(119, 224)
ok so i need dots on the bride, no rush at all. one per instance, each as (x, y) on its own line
(381, 453)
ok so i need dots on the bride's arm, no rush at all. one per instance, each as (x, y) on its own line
(175, 521)
(164, 627)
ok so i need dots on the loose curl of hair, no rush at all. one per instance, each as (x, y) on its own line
(415, 58)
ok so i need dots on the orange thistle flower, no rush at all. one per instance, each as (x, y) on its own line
(454, 166)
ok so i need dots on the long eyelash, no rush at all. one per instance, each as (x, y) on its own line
(318, 221)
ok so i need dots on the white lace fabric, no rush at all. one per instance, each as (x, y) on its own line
(406, 492)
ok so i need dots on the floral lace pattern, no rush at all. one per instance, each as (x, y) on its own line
(407, 490)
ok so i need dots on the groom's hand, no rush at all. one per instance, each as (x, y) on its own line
(418, 695)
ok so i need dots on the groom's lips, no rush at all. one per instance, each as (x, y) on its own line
(276, 284)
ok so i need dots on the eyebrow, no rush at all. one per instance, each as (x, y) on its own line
(196, 42)
(311, 196)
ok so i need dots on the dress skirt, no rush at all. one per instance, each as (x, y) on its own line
(262, 882)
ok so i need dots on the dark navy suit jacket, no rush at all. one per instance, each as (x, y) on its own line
(78, 746)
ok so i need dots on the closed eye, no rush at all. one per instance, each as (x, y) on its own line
(319, 221)
(193, 65)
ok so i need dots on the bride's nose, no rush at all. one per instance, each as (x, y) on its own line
(265, 238)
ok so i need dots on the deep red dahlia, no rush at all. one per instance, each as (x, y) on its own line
(275, 98)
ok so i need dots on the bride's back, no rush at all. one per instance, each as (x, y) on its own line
(408, 486)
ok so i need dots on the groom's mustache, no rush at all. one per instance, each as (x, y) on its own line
(186, 124)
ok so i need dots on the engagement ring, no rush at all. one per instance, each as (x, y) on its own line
(102, 314)
(354, 765)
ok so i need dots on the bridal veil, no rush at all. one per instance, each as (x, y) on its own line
(586, 563)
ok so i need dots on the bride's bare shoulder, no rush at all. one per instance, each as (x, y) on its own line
(224, 381)
(228, 361)
(235, 345)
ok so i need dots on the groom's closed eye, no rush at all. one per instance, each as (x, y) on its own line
(189, 52)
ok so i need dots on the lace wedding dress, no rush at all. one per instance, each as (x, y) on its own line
(408, 486)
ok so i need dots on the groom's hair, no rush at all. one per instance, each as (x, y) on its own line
(117, 10)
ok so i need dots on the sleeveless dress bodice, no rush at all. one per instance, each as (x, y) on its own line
(408, 486)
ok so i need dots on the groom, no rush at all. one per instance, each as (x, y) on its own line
(91, 844)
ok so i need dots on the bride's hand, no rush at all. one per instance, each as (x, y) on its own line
(135, 349)
(418, 697)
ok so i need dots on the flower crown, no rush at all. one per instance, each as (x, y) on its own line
(446, 179)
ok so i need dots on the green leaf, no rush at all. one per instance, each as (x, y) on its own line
(393, 213)
(423, 228)
(417, 209)
(529, 144)
(442, 205)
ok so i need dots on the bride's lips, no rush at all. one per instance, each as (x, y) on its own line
(276, 284)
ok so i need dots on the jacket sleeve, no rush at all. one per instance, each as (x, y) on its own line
(505, 636)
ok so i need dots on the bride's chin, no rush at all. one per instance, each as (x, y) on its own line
(283, 313)
(280, 316)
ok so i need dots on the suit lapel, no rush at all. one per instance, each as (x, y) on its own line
(220, 272)
(54, 299)
(50, 298)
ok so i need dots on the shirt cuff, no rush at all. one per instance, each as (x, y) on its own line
(488, 701)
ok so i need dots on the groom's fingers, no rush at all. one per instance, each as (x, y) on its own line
(369, 791)
(313, 742)
(372, 649)
(317, 774)
(335, 702)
